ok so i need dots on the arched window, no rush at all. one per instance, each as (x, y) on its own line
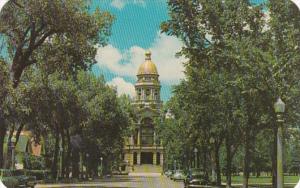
(155, 94)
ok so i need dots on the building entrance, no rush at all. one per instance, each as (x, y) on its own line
(146, 158)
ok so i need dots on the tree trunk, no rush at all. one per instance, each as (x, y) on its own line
(55, 157)
(68, 157)
(246, 160)
(2, 137)
(205, 166)
(257, 173)
(218, 169)
(75, 166)
(228, 162)
(9, 152)
(63, 145)
(274, 159)
(19, 132)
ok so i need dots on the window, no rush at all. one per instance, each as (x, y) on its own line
(155, 94)
(139, 91)
(147, 93)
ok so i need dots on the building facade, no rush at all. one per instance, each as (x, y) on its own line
(143, 148)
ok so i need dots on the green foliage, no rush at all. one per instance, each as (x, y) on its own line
(10, 182)
(39, 174)
(84, 106)
(238, 64)
(53, 41)
(57, 33)
(173, 134)
(34, 162)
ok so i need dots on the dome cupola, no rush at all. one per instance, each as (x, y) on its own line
(148, 67)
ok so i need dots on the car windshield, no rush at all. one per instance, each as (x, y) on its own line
(196, 176)
(195, 172)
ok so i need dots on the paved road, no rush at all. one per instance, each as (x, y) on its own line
(126, 182)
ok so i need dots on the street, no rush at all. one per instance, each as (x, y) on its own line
(125, 182)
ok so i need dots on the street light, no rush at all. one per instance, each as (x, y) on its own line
(101, 159)
(13, 145)
(213, 169)
(196, 157)
(87, 165)
(184, 162)
(60, 174)
(279, 107)
(174, 165)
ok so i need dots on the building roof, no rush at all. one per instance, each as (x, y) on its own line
(148, 67)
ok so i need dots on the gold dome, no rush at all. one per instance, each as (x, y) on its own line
(148, 67)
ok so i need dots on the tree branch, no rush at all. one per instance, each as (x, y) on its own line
(43, 38)
(17, 4)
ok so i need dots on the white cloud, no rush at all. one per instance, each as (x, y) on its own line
(123, 87)
(119, 4)
(126, 63)
(2, 3)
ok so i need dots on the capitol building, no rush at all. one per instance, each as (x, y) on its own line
(143, 152)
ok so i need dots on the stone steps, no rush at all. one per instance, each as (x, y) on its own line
(147, 169)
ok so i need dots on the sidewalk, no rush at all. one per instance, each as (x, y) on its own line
(144, 174)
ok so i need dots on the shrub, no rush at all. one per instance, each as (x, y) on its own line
(11, 182)
(5, 172)
(39, 174)
(34, 162)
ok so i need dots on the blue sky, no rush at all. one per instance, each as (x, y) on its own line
(136, 29)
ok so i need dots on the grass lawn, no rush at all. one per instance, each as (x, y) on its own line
(262, 179)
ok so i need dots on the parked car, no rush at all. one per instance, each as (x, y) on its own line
(168, 173)
(195, 177)
(178, 175)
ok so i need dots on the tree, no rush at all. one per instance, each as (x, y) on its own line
(54, 36)
(30, 25)
(5, 87)
(230, 47)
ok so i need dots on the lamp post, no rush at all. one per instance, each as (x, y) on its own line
(174, 165)
(101, 163)
(279, 107)
(13, 145)
(60, 163)
(184, 162)
(213, 169)
(196, 157)
(87, 168)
